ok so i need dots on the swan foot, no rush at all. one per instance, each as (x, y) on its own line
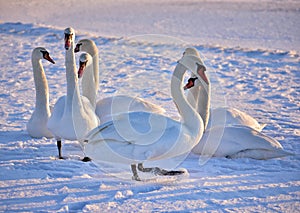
(86, 159)
(163, 172)
(61, 158)
(142, 169)
(159, 171)
(135, 174)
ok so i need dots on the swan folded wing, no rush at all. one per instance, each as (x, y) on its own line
(142, 128)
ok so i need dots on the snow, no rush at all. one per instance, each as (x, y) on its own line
(252, 50)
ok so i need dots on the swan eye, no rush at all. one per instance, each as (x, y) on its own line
(83, 63)
(191, 81)
(200, 66)
(77, 48)
(45, 53)
(68, 36)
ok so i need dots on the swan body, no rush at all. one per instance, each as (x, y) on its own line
(108, 106)
(130, 139)
(37, 124)
(73, 115)
(238, 142)
(230, 132)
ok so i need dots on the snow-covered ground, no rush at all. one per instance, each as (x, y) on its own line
(252, 50)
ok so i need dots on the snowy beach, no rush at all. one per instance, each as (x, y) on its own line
(252, 51)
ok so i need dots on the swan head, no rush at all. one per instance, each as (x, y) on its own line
(42, 53)
(85, 60)
(191, 59)
(85, 45)
(191, 51)
(190, 83)
(69, 37)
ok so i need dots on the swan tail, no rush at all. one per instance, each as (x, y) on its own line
(262, 126)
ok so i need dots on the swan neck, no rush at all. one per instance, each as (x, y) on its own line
(188, 114)
(89, 89)
(71, 75)
(204, 102)
(41, 86)
(96, 70)
(93, 51)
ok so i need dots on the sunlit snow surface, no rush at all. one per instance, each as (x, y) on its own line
(262, 83)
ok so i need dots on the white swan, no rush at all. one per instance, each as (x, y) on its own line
(106, 107)
(73, 115)
(199, 97)
(130, 139)
(219, 115)
(232, 140)
(37, 124)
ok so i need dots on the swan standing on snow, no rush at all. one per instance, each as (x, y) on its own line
(73, 115)
(37, 125)
(241, 138)
(130, 139)
(106, 107)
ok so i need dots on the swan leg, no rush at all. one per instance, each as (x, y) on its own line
(135, 174)
(58, 143)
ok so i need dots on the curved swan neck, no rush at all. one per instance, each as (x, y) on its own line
(189, 116)
(41, 86)
(89, 89)
(203, 99)
(71, 75)
(94, 53)
(91, 48)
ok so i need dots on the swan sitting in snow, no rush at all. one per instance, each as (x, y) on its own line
(137, 137)
(219, 115)
(108, 106)
(237, 137)
(37, 125)
(73, 115)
